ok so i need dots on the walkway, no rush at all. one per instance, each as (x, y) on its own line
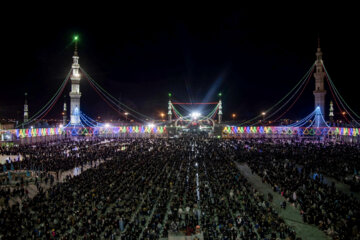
(343, 187)
(291, 215)
(340, 186)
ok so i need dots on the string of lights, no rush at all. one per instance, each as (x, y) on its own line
(302, 88)
(49, 105)
(297, 98)
(115, 101)
(282, 99)
(212, 114)
(340, 98)
(316, 116)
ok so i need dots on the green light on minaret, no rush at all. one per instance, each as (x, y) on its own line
(169, 94)
(76, 38)
(220, 94)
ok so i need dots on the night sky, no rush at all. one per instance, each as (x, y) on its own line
(253, 57)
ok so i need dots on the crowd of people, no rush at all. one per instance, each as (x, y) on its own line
(58, 155)
(153, 188)
(295, 170)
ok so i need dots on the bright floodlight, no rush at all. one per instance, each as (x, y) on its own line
(107, 125)
(195, 115)
(151, 125)
(61, 126)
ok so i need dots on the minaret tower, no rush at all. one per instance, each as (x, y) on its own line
(26, 110)
(220, 113)
(319, 92)
(75, 93)
(331, 112)
(169, 109)
(64, 113)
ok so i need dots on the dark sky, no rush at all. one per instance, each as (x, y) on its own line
(253, 57)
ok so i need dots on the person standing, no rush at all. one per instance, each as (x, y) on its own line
(121, 224)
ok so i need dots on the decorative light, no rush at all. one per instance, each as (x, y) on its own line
(61, 126)
(195, 115)
(263, 113)
(107, 125)
(76, 37)
(169, 94)
(151, 125)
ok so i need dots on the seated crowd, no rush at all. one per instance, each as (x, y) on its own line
(153, 188)
(292, 169)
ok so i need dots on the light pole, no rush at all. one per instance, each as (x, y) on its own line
(126, 114)
(263, 114)
(233, 116)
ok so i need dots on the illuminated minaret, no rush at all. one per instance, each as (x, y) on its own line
(319, 91)
(169, 108)
(331, 112)
(64, 113)
(75, 93)
(220, 113)
(26, 110)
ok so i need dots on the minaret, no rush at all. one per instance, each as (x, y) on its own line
(169, 109)
(220, 113)
(26, 110)
(75, 93)
(331, 112)
(319, 75)
(64, 113)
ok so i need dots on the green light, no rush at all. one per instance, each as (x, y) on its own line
(169, 94)
(76, 37)
(220, 94)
